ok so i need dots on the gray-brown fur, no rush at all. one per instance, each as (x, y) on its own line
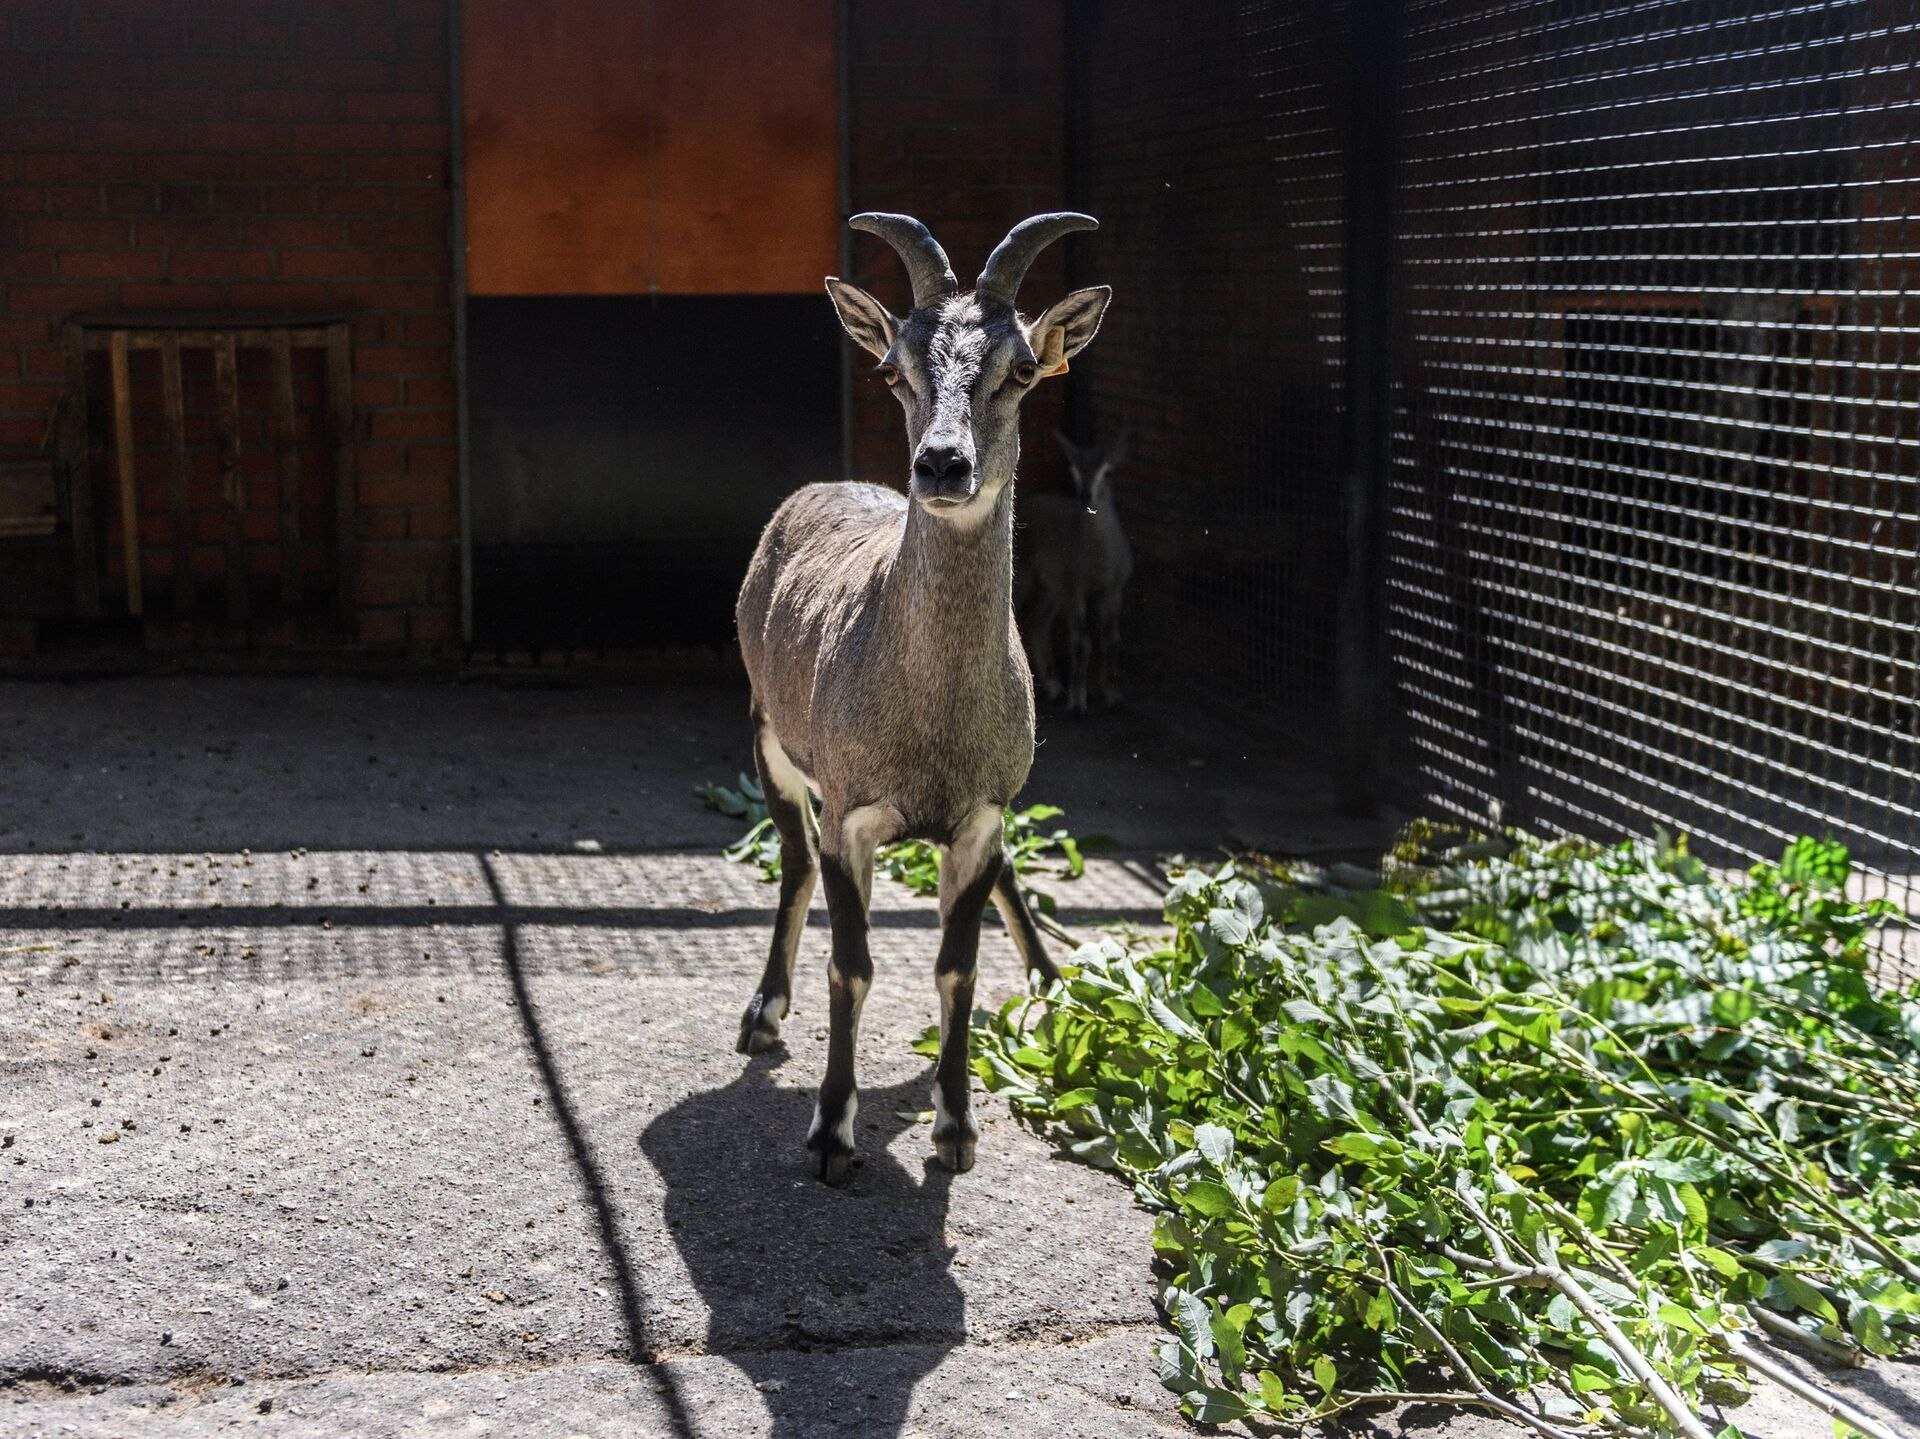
(888, 678)
(1073, 567)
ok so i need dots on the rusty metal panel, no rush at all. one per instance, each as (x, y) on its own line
(620, 148)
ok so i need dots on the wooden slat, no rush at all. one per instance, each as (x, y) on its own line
(173, 407)
(287, 444)
(123, 460)
(75, 454)
(226, 385)
(310, 337)
(345, 501)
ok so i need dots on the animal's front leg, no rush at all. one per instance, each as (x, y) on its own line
(846, 868)
(970, 870)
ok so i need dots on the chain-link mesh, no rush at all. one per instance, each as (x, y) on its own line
(1208, 140)
(1653, 514)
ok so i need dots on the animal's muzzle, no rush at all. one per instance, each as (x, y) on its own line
(945, 474)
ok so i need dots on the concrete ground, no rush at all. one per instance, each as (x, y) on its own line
(366, 1068)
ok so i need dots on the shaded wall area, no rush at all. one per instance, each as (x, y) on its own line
(626, 451)
(1209, 142)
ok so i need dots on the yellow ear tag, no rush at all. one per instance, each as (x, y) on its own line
(1059, 369)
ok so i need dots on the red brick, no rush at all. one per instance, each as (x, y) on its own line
(382, 628)
(386, 523)
(284, 167)
(88, 234)
(341, 135)
(204, 233)
(23, 199)
(308, 234)
(404, 490)
(73, 168)
(435, 138)
(176, 168)
(356, 199)
(56, 299)
(220, 264)
(324, 264)
(19, 264)
(286, 104)
(430, 627)
(411, 425)
(433, 522)
(442, 461)
(230, 135)
(291, 296)
(424, 167)
(401, 360)
(375, 390)
(432, 390)
(129, 199)
(110, 265)
(394, 105)
(172, 297)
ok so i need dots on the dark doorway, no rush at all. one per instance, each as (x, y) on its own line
(626, 452)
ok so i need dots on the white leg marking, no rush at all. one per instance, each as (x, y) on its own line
(843, 1131)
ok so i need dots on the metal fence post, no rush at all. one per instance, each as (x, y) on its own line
(1373, 67)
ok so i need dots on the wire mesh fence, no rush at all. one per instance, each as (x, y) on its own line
(1652, 517)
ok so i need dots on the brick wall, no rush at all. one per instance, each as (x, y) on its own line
(955, 115)
(242, 154)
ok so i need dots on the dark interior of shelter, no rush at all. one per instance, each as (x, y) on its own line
(1519, 398)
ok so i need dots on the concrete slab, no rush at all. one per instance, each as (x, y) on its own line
(370, 1044)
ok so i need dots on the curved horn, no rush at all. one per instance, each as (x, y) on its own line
(1007, 265)
(926, 262)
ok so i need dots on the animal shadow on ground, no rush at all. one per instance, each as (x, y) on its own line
(835, 1302)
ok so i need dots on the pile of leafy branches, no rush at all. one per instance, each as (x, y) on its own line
(1549, 1133)
(914, 863)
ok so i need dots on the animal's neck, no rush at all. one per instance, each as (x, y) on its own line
(951, 589)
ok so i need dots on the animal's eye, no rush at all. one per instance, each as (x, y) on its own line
(1025, 373)
(889, 373)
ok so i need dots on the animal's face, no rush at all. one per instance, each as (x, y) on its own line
(960, 365)
(1091, 468)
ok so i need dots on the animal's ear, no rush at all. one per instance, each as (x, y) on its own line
(1067, 447)
(1064, 330)
(864, 318)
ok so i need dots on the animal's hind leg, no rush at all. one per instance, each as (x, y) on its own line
(1019, 921)
(792, 810)
(1079, 657)
(1040, 617)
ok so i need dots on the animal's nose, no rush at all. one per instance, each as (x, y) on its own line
(943, 464)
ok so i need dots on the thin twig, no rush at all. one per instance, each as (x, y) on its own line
(1784, 1328)
(1825, 1400)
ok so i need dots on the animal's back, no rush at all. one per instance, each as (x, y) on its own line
(823, 543)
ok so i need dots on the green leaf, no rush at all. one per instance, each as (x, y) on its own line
(1215, 1142)
(1210, 1198)
(1806, 1297)
(1325, 1374)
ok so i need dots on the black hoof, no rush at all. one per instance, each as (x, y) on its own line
(759, 1026)
(834, 1167)
(955, 1148)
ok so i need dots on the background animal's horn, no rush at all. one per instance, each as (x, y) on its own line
(926, 262)
(1007, 265)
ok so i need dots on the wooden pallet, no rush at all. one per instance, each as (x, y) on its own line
(119, 336)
